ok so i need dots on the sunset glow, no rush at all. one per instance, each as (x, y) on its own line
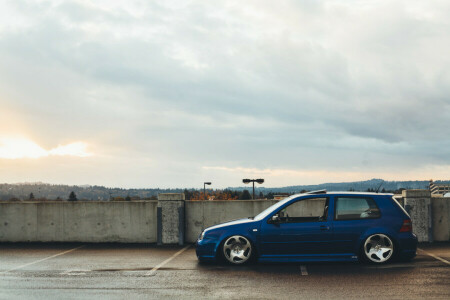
(72, 149)
(16, 148)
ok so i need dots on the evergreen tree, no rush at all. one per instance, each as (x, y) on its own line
(127, 198)
(189, 194)
(31, 196)
(246, 195)
(72, 196)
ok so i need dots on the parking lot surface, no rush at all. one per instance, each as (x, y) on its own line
(118, 271)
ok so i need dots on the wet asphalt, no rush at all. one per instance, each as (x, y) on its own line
(119, 271)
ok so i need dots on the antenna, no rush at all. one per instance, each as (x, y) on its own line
(382, 181)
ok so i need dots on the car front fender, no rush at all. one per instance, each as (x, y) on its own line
(248, 232)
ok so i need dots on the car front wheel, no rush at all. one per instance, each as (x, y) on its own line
(237, 249)
(378, 248)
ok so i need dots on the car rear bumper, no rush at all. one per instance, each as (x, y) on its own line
(407, 245)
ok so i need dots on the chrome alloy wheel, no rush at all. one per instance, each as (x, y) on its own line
(378, 248)
(237, 249)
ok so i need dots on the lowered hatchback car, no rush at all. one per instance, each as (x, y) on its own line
(316, 226)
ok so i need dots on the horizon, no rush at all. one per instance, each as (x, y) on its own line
(257, 186)
(131, 93)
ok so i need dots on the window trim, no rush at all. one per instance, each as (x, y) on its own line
(356, 197)
(327, 200)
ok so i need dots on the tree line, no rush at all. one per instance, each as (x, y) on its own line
(226, 194)
(190, 194)
(193, 195)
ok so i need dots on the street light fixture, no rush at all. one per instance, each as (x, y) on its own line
(260, 181)
(204, 188)
(203, 204)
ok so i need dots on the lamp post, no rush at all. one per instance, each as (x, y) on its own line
(260, 181)
(204, 188)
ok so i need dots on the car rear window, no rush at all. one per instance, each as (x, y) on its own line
(355, 208)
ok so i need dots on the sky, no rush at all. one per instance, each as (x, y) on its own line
(169, 93)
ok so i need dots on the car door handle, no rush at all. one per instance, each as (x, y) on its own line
(324, 227)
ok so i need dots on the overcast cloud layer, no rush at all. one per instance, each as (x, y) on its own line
(173, 93)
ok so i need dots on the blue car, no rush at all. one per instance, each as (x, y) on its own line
(316, 226)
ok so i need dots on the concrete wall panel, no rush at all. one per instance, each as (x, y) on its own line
(202, 214)
(133, 221)
(441, 218)
(18, 222)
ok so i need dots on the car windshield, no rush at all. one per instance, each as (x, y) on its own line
(268, 210)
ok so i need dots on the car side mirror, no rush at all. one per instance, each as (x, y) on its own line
(275, 219)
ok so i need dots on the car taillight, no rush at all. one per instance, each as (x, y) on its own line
(407, 226)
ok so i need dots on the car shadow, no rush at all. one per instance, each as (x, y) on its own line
(310, 267)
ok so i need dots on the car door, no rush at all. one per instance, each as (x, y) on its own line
(303, 228)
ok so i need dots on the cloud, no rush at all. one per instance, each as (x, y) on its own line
(17, 148)
(326, 85)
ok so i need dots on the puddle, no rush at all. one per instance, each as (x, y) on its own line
(140, 269)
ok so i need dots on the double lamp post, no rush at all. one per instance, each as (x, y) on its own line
(260, 181)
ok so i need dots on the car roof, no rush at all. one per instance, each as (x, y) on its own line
(324, 192)
(360, 193)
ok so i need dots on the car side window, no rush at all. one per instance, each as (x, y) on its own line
(307, 210)
(354, 208)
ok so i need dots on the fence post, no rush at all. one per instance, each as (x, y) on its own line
(418, 205)
(170, 219)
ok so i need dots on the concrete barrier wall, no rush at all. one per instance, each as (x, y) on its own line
(201, 214)
(133, 221)
(136, 221)
(441, 218)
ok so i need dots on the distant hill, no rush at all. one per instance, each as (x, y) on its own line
(51, 191)
(347, 186)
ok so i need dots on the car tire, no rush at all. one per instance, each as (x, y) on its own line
(237, 250)
(378, 249)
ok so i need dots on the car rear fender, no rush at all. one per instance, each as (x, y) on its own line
(374, 230)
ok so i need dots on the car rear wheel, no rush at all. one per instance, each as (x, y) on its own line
(378, 248)
(237, 249)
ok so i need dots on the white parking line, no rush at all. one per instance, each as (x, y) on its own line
(434, 256)
(303, 270)
(41, 260)
(153, 271)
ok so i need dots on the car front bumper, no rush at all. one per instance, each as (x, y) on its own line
(206, 250)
